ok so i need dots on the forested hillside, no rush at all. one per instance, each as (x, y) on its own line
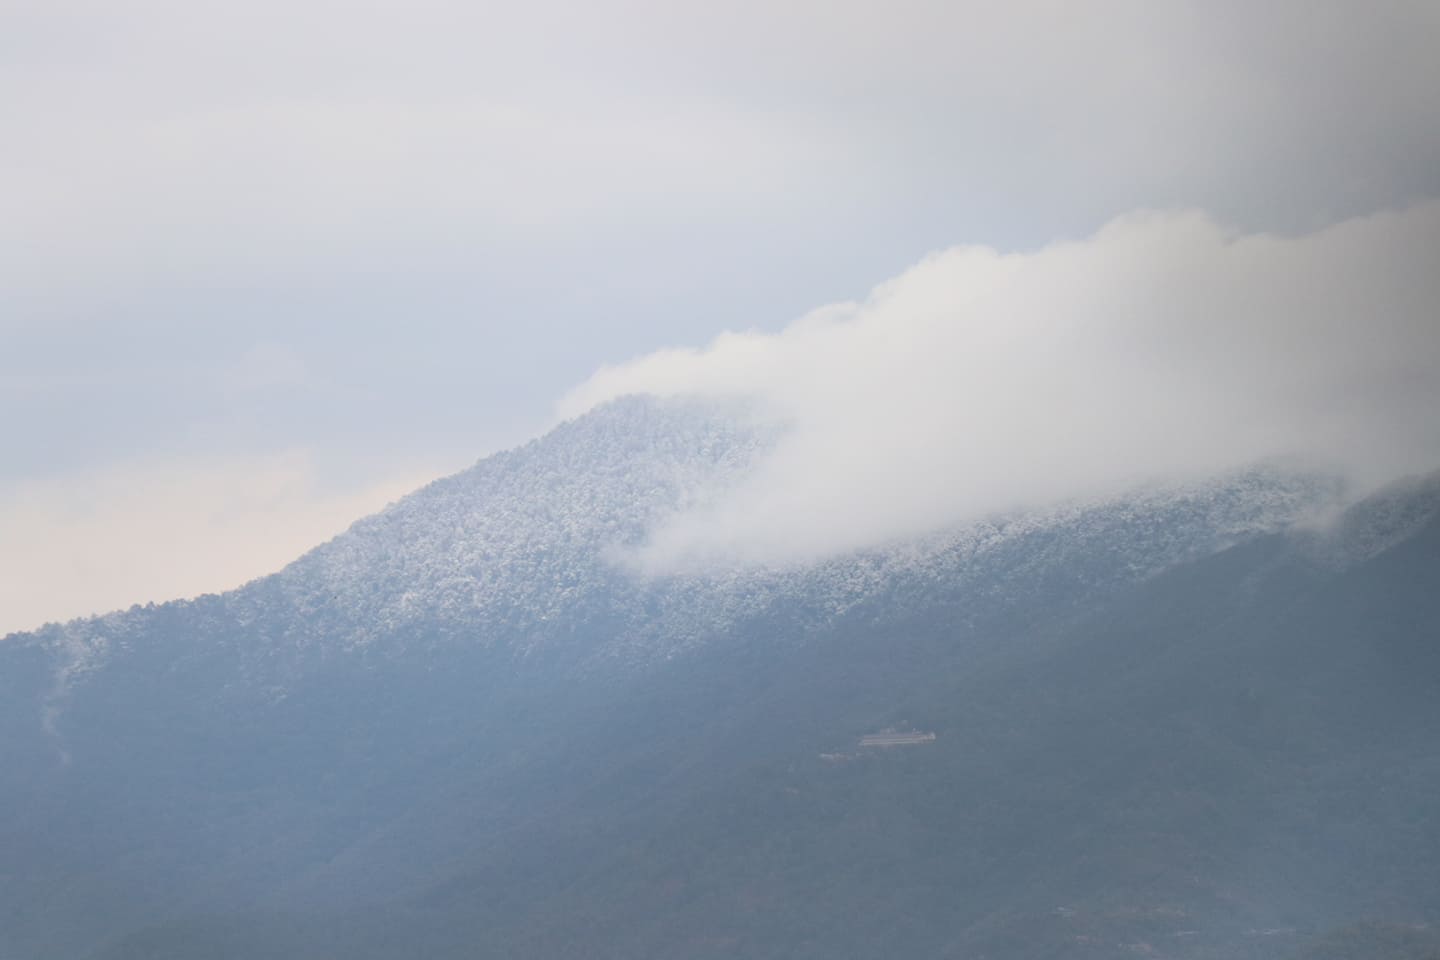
(1176, 725)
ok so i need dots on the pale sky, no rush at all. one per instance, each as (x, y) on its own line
(265, 266)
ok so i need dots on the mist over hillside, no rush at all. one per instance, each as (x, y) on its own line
(1165, 348)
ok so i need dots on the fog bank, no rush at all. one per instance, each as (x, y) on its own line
(1164, 348)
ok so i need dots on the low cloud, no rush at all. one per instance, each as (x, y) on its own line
(1162, 348)
(165, 528)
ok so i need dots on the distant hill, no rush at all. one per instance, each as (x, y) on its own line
(1170, 725)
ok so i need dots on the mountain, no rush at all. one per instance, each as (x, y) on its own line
(1188, 722)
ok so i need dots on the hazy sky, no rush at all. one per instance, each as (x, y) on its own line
(265, 265)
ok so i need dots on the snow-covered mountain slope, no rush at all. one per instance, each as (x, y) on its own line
(516, 547)
(521, 554)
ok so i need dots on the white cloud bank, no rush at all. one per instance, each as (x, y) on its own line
(1164, 347)
(157, 529)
